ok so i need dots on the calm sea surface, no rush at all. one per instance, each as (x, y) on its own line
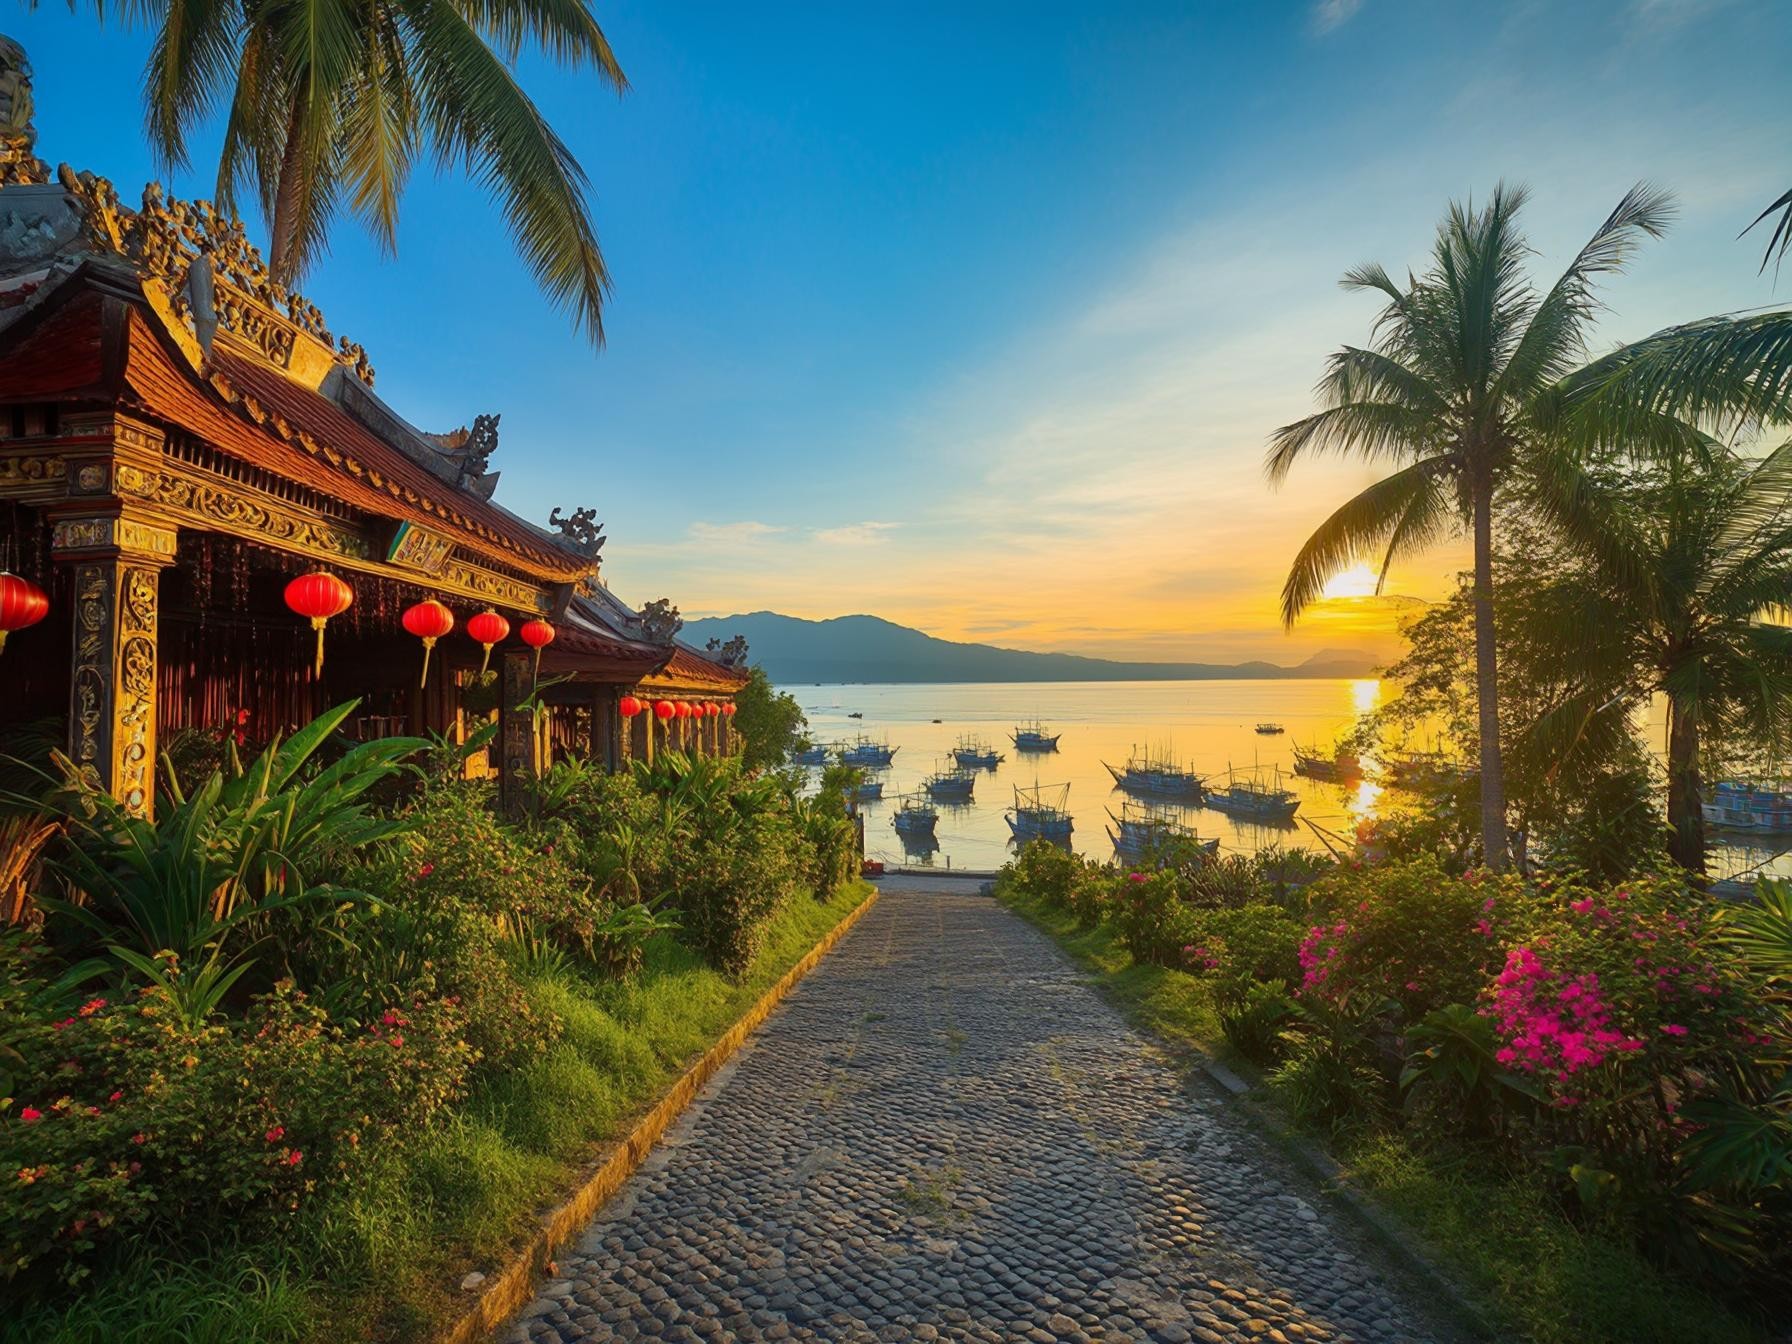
(1209, 726)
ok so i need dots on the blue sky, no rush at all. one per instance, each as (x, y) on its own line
(977, 316)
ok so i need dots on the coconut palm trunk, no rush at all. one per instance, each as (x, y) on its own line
(1685, 789)
(283, 260)
(1487, 687)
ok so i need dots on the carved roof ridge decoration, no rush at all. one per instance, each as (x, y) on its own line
(458, 458)
(214, 277)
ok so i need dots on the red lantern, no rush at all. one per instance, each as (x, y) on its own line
(488, 628)
(684, 709)
(729, 708)
(537, 634)
(319, 595)
(663, 710)
(628, 706)
(22, 603)
(429, 620)
(711, 709)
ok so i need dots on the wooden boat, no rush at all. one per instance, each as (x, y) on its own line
(815, 755)
(1250, 797)
(1138, 828)
(951, 782)
(1040, 813)
(1160, 776)
(1270, 729)
(915, 818)
(1033, 737)
(1340, 767)
(867, 791)
(864, 752)
(976, 754)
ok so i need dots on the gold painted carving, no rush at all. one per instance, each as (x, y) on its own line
(19, 475)
(128, 534)
(416, 548)
(240, 512)
(135, 710)
(90, 478)
(92, 679)
(476, 582)
(81, 534)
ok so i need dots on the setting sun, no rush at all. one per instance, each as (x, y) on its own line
(1357, 581)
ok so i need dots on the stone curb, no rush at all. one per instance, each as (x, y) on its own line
(513, 1287)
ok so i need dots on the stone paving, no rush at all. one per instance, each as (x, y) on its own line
(946, 1133)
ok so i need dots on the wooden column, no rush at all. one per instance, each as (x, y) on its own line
(519, 758)
(116, 559)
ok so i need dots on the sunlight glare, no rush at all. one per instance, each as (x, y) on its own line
(1357, 581)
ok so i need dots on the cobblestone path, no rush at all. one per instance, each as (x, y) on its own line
(945, 1133)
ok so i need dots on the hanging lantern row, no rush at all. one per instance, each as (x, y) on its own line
(319, 596)
(629, 706)
(22, 603)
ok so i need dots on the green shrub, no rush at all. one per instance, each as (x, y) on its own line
(1041, 872)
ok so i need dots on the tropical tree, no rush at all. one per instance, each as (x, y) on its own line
(1686, 557)
(1458, 389)
(1779, 242)
(770, 722)
(331, 104)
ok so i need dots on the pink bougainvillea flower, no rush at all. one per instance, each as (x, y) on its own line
(1135, 877)
(277, 1133)
(114, 1097)
(294, 1158)
(1673, 1029)
(31, 1115)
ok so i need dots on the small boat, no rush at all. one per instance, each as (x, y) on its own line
(864, 752)
(1270, 729)
(867, 791)
(1160, 776)
(855, 715)
(1426, 770)
(976, 754)
(953, 783)
(1139, 828)
(915, 818)
(1341, 767)
(815, 755)
(1251, 798)
(1040, 813)
(1033, 737)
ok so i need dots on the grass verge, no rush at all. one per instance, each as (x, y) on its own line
(382, 1259)
(1544, 1278)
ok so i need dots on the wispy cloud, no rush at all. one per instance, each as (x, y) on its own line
(855, 534)
(1665, 14)
(1327, 15)
(732, 534)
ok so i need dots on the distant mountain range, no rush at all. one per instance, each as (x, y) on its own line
(868, 648)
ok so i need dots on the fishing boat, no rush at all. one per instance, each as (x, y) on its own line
(1422, 771)
(1159, 776)
(1033, 737)
(1040, 813)
(867, 791)
(1341, 767)
(1737, 805)
(1139, 828)
(915, 818)
(974, 753)
(1270, 729)
(1251, 797)
(862, 751)
(953, 783)
(855, 714)
(815, 755)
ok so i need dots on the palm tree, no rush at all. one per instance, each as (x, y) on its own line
(1780, 241)
(1685, 557)
(1459, 389)
(331, 103)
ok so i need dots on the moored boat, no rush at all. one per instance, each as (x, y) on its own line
(1033, 737)
(915, 817)
(863, 751)
(1270, 729)
(867, 791)
(976, 754)
(1737, 805)
(953, 783)
(1251, 797)
(1139, 828)
(1040, 813)
(1425, 770)
(814, 755)
(1160, 776)
(1341, 767)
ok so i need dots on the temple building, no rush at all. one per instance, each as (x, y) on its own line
(182, 438)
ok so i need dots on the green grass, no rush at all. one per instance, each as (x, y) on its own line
(383, 1259)
(1545, 1279)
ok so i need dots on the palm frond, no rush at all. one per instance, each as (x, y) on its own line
(1781, 239)
(1407, 504)
(1369, 429)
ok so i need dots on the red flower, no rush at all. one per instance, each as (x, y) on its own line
(294, 1158)
(138, 1138)
(426, 870)
(242, 716)
(397, 1040)
(276, 1134)
(92, 1006)
(31, 1115)
(115, 1096)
